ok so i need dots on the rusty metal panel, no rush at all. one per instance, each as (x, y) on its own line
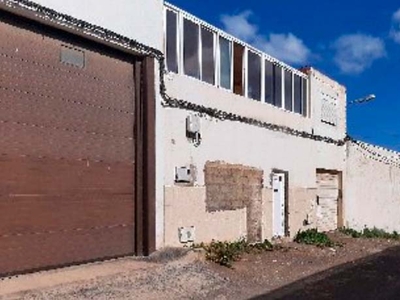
(67, 154)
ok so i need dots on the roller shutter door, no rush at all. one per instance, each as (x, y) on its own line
(66, 150)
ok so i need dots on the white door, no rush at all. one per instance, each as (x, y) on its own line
(278, 186)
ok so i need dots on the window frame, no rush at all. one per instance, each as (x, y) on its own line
(218, 35)
(247, 70)
(214, 34)
(199, 48)
(230, 40)
(178, 36)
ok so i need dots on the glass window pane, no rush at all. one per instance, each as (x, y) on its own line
(277, 86)
(288, 91)
(225, 49)
(269, 82)
(254, 76)
(297, 94)
(304, 97)
(172, 56)
(207, 43)
(191, 49)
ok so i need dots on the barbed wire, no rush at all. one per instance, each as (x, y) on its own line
(371, 152)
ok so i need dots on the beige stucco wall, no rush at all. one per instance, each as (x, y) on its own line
(186, 207)
(372, 191)
(302, 206)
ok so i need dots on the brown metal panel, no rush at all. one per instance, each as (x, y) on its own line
(67, 152)
(149, 157)
(139, 135)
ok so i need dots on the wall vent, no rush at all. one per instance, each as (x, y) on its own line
(72, 56)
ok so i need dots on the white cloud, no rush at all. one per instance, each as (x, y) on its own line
(357, 52)
(395, 31)
(239, 26)
(284, 46)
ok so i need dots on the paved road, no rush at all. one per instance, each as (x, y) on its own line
(375, 277)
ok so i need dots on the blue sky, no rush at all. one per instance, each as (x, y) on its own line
(356, 43)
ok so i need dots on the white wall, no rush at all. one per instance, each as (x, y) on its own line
(141, 20)
(240, 143)
(372, 191)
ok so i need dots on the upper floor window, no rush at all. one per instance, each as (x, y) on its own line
(254, 76)
(208, 56)
(200, 51)
(191, 64)
(288, 90)
(225, 58)
(172, 41)
(297, 94)
(238, 69)
(304, 98)
(278, 76)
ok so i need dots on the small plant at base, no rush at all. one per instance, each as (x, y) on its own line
(313, 237)
(226, 253)
(370, 233)
(351, 232)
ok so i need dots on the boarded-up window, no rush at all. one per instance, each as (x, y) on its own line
(191, 49)
(208, 63)
(254, 76)
(225, 54)
(329, 109)
(172, 53)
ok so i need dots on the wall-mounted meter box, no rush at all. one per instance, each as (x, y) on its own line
(183, 175)
(186, 234)
(193, 124)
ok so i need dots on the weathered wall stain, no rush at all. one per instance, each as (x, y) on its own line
(232, 187)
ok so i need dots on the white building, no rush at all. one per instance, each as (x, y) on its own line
(221, 142)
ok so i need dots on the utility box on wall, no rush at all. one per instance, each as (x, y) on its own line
(183, 175)
(186, 234)
(192, 124)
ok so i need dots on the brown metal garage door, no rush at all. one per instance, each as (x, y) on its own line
(66, 150)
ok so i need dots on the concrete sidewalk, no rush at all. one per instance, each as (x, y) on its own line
(12, 288)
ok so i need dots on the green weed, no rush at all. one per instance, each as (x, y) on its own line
(226, 253)
(371, 233)
(313, 237)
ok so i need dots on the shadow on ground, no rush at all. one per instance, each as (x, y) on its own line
(374, 277)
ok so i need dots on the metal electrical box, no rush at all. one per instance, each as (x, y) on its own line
(183, 175)
(186, 234)
(192, 124)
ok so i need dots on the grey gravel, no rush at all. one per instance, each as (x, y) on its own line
(183, 279)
